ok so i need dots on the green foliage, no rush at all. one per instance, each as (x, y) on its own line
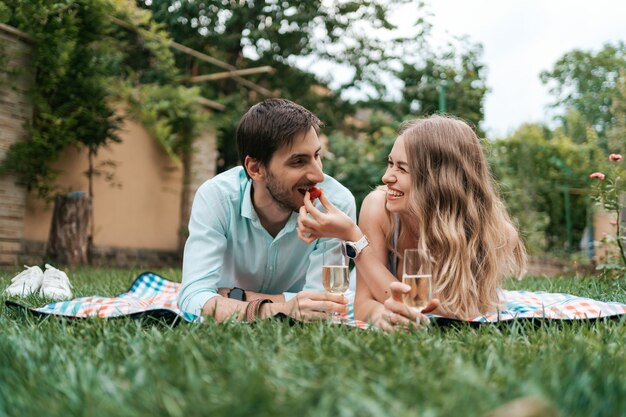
(458, 71)
(588, 82)
(590, 87)
(616, 134)
(537, 168)
(70, 91)
(129, 368)
(144, 58)
(280, 34)
(83, 63)
(359, 163)
(293, 37)
(4, 13)
(172, 114)
(609, 193)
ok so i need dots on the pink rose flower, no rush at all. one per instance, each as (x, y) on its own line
(615, 157)
(597, 176)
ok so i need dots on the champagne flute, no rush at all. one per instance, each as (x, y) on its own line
(417, 273)
(335, 273)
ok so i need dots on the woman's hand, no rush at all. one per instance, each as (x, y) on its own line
(396, 315)
(334, 223)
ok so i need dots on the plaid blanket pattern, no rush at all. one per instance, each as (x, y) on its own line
(527, 304)
(151, 292)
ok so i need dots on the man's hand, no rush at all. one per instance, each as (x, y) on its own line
(396, 315)
(305, 306)
(311, 305)
(222, 308)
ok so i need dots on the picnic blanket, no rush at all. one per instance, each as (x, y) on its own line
(154, 296)
(150, 295)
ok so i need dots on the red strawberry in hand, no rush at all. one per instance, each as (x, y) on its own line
(315, 192)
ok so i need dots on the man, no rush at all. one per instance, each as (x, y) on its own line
(243, 257)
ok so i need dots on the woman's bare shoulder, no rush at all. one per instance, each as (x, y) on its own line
(373, 209)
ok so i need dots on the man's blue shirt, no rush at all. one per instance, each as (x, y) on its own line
(228, 247)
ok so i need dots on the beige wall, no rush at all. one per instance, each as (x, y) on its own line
(143, 213)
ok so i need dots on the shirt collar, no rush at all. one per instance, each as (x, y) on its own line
(247, 209)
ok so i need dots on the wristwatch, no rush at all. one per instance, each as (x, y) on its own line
(354, 248)
(237, 294)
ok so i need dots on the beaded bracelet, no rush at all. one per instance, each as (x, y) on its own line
(254, 307)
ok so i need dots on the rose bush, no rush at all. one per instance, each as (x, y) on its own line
(609, 188)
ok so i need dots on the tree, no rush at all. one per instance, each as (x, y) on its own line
(587, 82)
(292, 36)
(359, 163)
(354, 38)
(457, 70)
(617, 132)
(541, 173)
(70, 108)
(83, 63)
(70, 90)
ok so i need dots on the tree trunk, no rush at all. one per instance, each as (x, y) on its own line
(69, 234)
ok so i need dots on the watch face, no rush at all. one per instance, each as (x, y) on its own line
(350, 251)
(237, 294)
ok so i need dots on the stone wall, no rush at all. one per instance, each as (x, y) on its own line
(203, 166)
(15, 110)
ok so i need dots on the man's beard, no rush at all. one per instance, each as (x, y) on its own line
(280, 194)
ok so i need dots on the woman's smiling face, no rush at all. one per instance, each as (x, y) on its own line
(397, 178)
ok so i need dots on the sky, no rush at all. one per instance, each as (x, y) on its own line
(521, 38)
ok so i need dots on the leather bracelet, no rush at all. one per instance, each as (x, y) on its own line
(254, 307)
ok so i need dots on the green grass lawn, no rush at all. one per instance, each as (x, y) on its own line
(121, 367)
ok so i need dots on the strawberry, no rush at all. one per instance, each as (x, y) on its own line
(315, 193)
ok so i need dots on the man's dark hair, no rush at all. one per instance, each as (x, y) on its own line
(270, 125)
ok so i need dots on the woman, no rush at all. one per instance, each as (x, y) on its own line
(439, 196)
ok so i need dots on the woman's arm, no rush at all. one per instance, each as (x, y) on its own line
(393, 314)
(366, 307)
(378, 294)
(372, 265)
(372, 261)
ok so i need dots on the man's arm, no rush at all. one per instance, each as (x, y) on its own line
(251, 295)
(204, 250)
(305, 306)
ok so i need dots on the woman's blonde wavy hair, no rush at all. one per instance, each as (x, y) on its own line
(458, 216)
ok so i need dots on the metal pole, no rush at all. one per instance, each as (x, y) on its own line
(442, 96)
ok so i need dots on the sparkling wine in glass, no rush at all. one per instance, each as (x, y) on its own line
(417, 274)
(335, 278)
(335, 273)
